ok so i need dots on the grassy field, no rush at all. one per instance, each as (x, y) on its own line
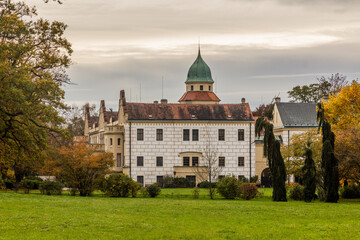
(173, 215)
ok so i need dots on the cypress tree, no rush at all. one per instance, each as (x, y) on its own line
(329, 163)
(278, 174)
(309, 178)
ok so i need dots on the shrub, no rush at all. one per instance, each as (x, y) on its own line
(181, 182)
(229, 187)
(50, 188)
(196, 193)
(168, 181)
(120, 185)
(297, 193)
(206, 184)
(254, 179)
(350, 191)
(36, 181)
(27, 184)
(144, 192)
(153, 190)
(10, 184)
(249, 191)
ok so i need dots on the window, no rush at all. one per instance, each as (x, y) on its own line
(192, 88)
(209, 88)
(159, 134)
(159, 179)
(241, 161)
(140, 161)
(140, 134)
(220, 177)
(119, 141)
(241, 134)
(110, 141)
(191, 179)
(186, 161)
(195, 161)
(195, 134)
(201, 87)
(140, 179)
(186, 135)
(241, 178)
(159, 161)
(221, 134)
(221, 161)
(118, 160)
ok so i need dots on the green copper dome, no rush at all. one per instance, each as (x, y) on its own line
(199, 71)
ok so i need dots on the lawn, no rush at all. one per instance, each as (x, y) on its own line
(173, 215)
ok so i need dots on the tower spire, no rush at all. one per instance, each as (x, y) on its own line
(199, 46)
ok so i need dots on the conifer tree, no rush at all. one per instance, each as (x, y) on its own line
(329, 162)
(275, 160)
(309, 178)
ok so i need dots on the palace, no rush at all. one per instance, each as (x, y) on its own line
(151, 140)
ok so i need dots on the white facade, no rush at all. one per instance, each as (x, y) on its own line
(173, 144)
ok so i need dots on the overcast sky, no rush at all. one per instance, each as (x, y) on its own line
(255, 48)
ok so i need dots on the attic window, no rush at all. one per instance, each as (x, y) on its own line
(150, 116)
(229, 116)
(193, 116)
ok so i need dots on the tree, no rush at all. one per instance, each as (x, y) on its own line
(33, 59)
(275, 160)
(316, 91)
(263, 110)
(209, 164)
(329, 162)
(82, 167)
(342, 111)
(309, 176)
(294, 152)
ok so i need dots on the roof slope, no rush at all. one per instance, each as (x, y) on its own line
(219, 112)
(297, 114)
(199, 96)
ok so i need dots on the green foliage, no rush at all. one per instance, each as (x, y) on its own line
(177, 182)
(50, 188)
(229, 187)
(278, 173)
(309, 177)
(34, 55)
(297, 193)
(254, 179)
(153, 190)
(206, 184)
(350, 191)
(120, 185)
(27, 184)
(249, 191)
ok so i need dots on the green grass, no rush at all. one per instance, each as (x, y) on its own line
(173, 215)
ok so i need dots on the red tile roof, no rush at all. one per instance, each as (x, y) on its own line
(199, 96)
(220, 112)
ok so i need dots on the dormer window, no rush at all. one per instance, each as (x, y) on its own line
(201, 87)
(192, 87)
(209, 88)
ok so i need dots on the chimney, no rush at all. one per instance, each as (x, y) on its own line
(243, 100)
(156, 102)
(277, 99)
(163, 101)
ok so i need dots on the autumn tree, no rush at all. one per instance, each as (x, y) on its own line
(316, 91)
(275, 159)
(33, 57)
(342, 111)
(82, 167)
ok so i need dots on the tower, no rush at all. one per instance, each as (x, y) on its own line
(199, 84)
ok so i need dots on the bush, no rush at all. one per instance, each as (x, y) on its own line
(249, 191)
(229, 187)
(153, 190)
(181, 182)
(254, 179)
(10, 184)
(144, 192)
(297, 193)
(36, 181)
(168, 181)
(50, 188)
(120, 185)
(27, 184)
(206, 184)
(350, 191)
